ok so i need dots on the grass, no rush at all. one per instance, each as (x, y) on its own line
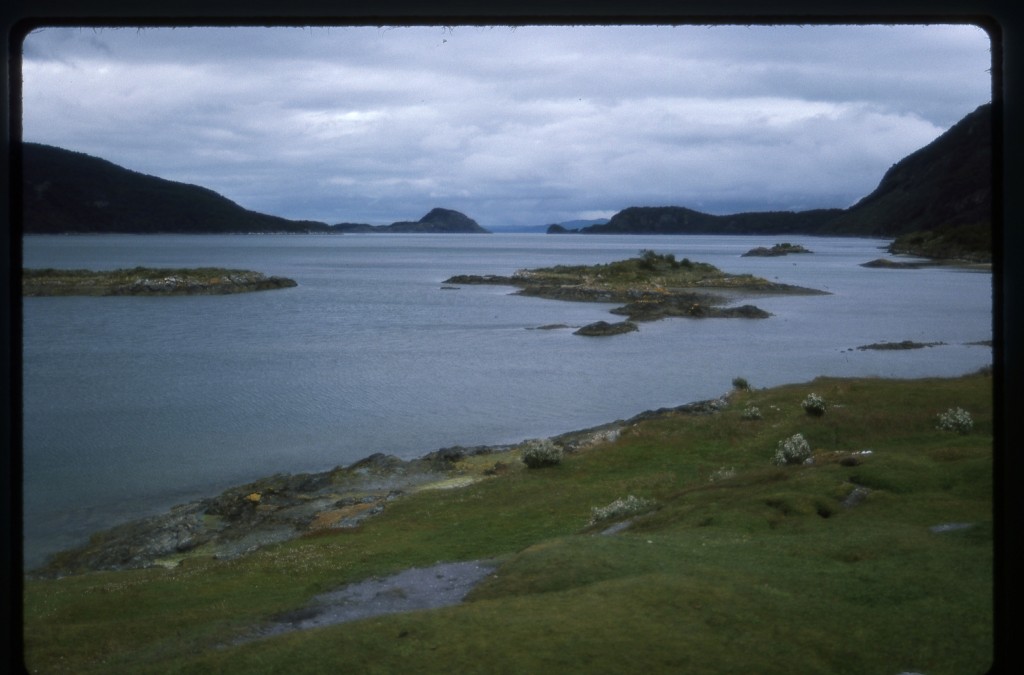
(763, 570)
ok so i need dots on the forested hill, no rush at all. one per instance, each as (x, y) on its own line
(937, 201)
(67, 191)
(681, 220)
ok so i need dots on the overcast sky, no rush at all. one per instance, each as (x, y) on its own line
(511, 126)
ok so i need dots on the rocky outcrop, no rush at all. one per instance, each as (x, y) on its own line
(776, 250)
(687, 306)
(905, 344)
(651, 287)
(887, 264)
(603, 328)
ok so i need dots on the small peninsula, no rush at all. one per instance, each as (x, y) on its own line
(148, 281)
(652, 286)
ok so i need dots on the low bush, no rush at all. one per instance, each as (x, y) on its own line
(793, 450)
(620, 508)
(956, 419)
(751, 412)
(740, 383)
(814, 405)
(541, 452)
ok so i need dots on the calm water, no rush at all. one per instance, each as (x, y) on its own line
(135, 404)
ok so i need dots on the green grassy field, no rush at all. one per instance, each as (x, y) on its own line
(738, 565)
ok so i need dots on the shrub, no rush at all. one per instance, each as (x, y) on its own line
(724, 473)
(955, 419)
(793, 450)
(814, 405)
(620, 508)
(751, 412)
(541, 452)
(740, 383)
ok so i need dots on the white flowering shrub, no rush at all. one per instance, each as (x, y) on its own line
(793, 450)
(724, 473)
(620, 508)
(955, 419)
(814, 405)
(541, 452)
(751, 412)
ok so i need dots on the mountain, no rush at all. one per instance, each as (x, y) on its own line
(936, 202)
(437, 221)
(681, 220)
(65, 191)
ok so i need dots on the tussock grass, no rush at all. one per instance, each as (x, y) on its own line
(762, 569)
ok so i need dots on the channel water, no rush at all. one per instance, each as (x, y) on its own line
(134, 404)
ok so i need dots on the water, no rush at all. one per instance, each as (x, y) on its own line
(134, 404)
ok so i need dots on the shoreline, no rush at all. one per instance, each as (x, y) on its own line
(284, 506)
(281, 507)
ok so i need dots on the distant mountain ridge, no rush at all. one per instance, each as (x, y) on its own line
(67, 192)
(71, 192)
(937, 202)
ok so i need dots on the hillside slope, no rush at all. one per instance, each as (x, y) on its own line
(947, 183)
(65, 191)
(937, 202)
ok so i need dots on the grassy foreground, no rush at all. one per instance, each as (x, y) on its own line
(740, 566)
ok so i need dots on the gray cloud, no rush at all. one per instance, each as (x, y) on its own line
(520, 126)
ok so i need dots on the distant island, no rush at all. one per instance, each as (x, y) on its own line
(653, 286)
(776, 250)
(438, 221)
(148, 281)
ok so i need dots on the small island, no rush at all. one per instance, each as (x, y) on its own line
(652, 286)
(905, 344)
(147, 281)
(777, 250)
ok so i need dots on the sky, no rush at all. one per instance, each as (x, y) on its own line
(513, 126)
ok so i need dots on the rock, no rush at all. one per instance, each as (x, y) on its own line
(906, 344)
(777, 250)
(856, 496)
(885, 263)
(603, 328)
(688, 306)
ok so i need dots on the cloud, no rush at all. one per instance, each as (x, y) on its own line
(512, 126)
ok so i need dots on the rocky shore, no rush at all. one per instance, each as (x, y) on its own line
(148, 281)
(247, 517)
